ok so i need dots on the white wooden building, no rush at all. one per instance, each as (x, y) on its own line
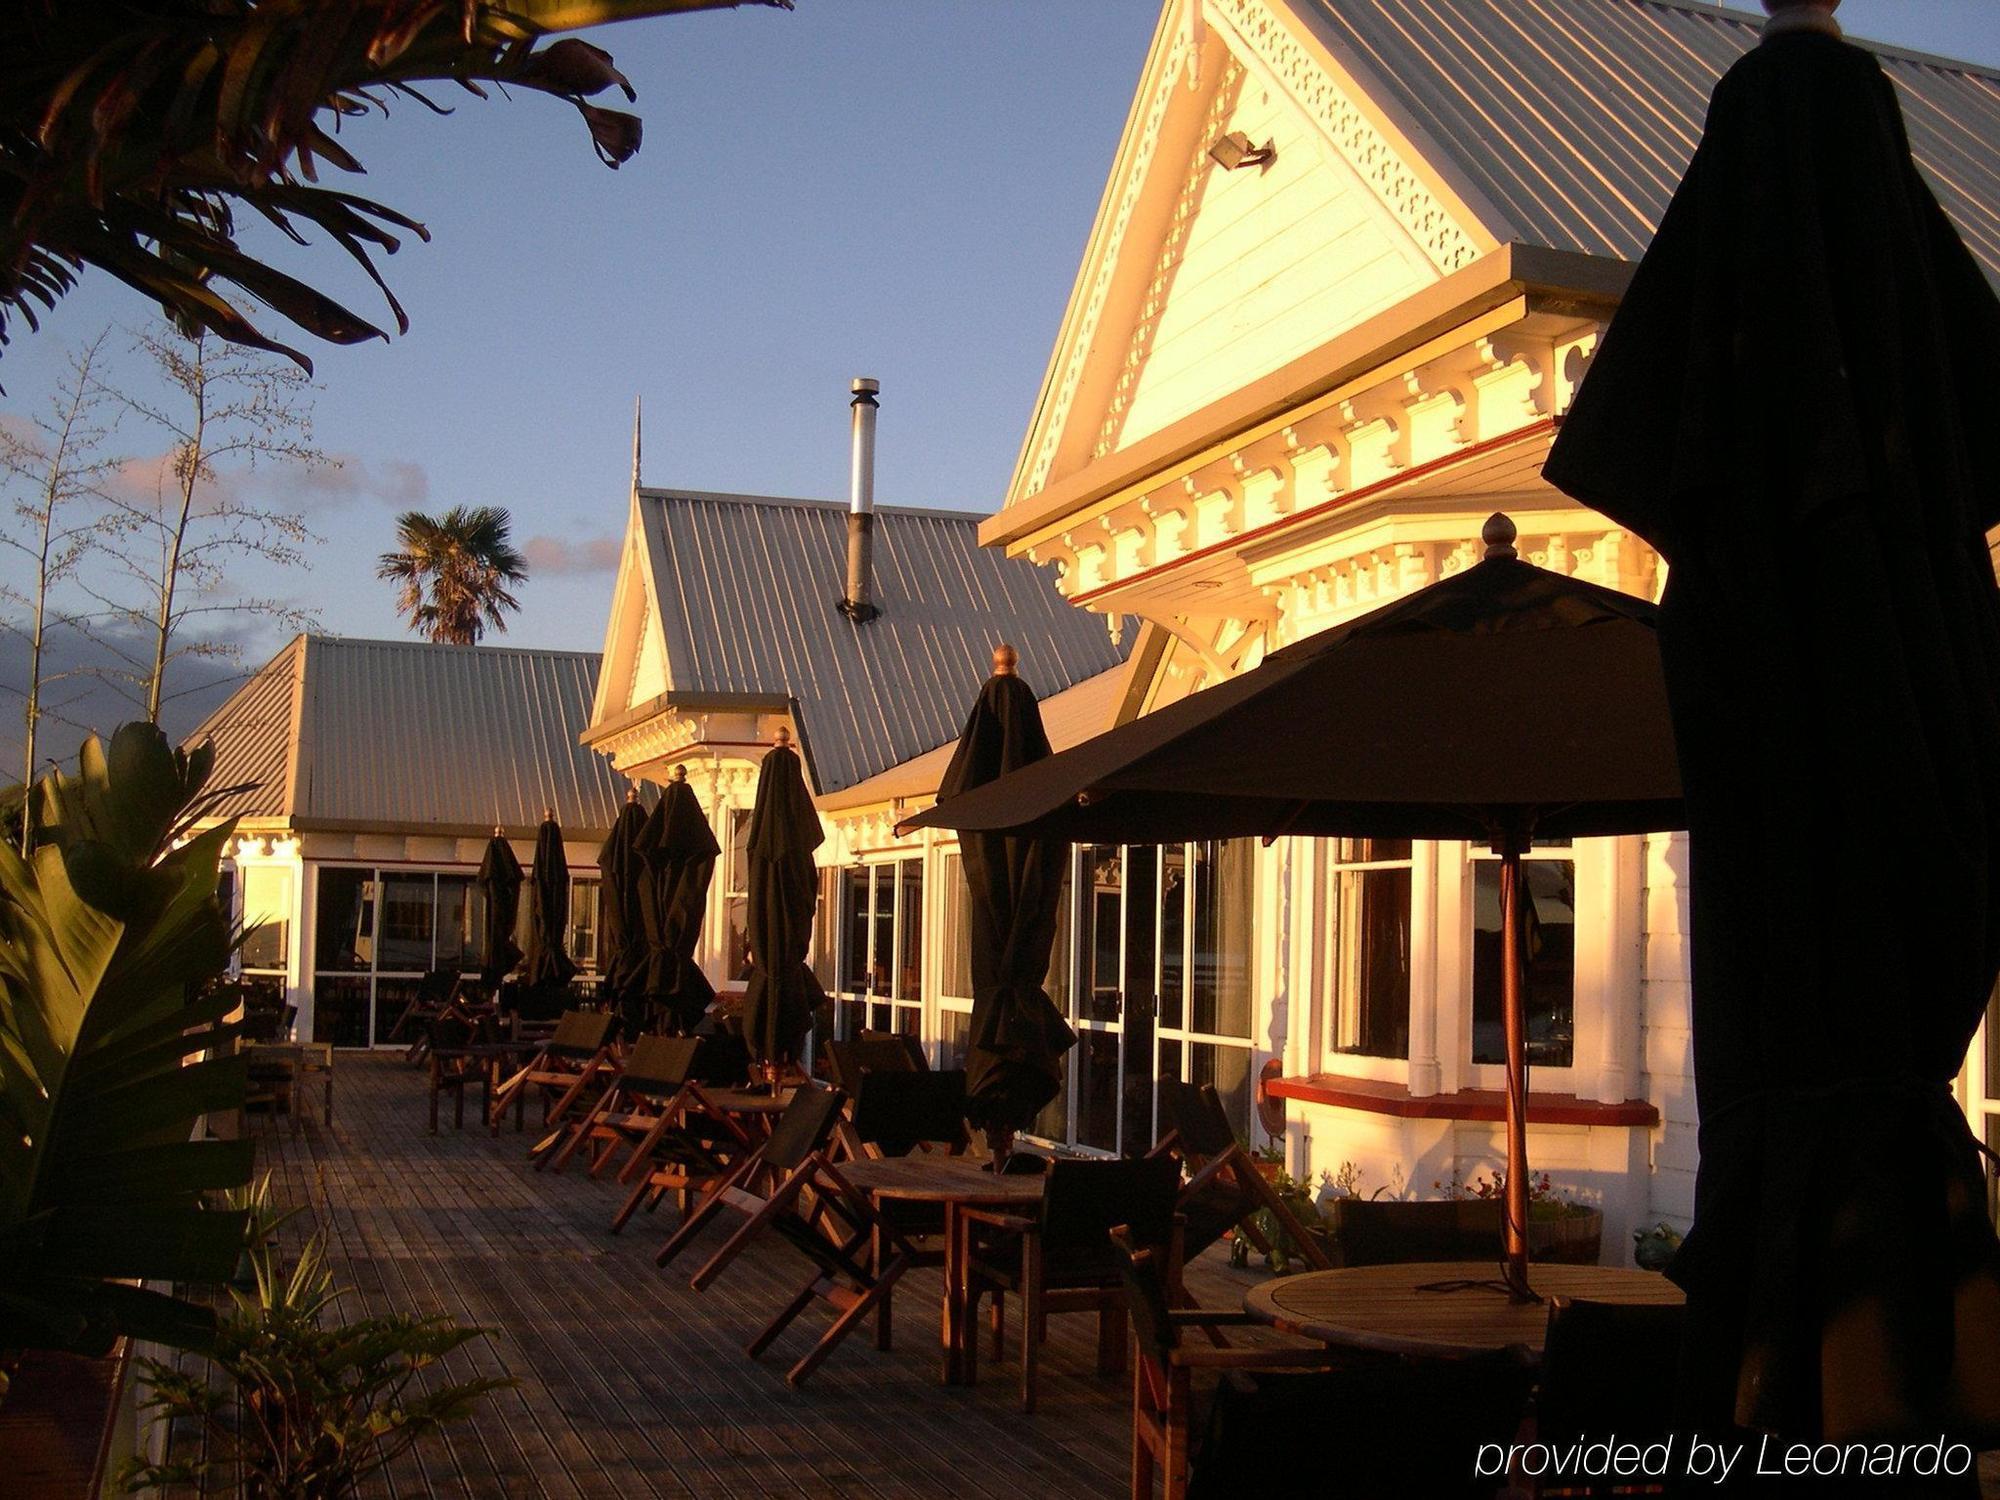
(377, 771)
(1351, 263)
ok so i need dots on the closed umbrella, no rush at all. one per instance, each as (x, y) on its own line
(1793, 405)
(679, 850)
(1503, 704)
(499, 881)
(621, 936)
(784, 894)
(549, 964)
(1017, 1037)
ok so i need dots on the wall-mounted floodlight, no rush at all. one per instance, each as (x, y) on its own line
(1234, 150)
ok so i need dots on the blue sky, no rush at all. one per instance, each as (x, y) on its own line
(899, 188)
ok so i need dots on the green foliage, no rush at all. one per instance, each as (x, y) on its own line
(110, 932)
(305, 1407)
(132, 135)
(453, 571)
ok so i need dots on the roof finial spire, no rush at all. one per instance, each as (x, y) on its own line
(635, 443)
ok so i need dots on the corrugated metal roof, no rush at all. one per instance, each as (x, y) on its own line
(1070, 717)
(252, 733)
(747, 587)
(405, 734)
(1576, 119)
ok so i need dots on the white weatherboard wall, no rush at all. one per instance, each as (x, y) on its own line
(1259, 264)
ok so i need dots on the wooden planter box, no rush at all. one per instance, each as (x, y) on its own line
(1573, 1240)
(56, 1424)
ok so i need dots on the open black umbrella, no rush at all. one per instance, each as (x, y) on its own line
(621, 936)
(679, 850)
(549, 963)
(1503, 704)
(1794, 405)
(1017, 1037)
(499, 881)
(784, 894)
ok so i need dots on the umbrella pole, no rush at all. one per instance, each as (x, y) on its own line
(1513, 1009)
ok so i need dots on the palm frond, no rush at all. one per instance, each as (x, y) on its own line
(131, 134)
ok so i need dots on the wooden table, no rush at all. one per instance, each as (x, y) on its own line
(304, 1058)
(1383, 1307)
(956, 1183)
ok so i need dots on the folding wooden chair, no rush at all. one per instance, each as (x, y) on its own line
(1063, 1260)
(1607, 1367)
(462, 1051)
(568, 1063)
(1371, 1232)
(899, 1112)
(691, 1143)
(643, 1090)
(762, 1183)
(1224, 1190)
(432, 995)
(873, 1051)
(1163, 1416)
(857, 1258)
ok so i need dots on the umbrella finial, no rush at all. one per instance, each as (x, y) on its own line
(1801, 15)
(1005, 659)
(680, 773)
(1498, 533)
(548, 815)
(631, 794)
(783, 737)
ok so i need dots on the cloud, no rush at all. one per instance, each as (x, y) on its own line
(87, 687)
(310, 490)
(558, 557)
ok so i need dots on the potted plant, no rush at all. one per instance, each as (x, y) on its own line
(1560, 1229)
(295, 1405)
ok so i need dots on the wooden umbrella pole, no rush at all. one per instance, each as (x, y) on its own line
(1514, 1012)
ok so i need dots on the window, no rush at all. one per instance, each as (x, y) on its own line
(267, 920)
(1368, 947)
(881, 960)
(955, 975)
(377, 932)
(736, 900)
(1163, 959)
(583, 892)
(1549, 891)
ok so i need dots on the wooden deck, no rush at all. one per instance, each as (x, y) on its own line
(633, 1385)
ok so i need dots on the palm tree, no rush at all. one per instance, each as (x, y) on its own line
(454, 570)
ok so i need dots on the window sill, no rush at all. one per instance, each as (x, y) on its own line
(1380, 1098)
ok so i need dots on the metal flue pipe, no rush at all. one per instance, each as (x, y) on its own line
(859, 604)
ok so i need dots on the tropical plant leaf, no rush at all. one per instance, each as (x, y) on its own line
(111, 1050)
(130, 134)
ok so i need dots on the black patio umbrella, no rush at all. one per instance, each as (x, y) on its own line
(1504, 704)
(499, 881)
(1793, 405)
(1013, 1064)
(548, 960)
(621, 937)
(679, 850)
(783, 885)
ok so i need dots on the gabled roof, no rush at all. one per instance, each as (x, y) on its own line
(1070, 717)
(1414, 141)
(406, 736)
(1575, 119)
(739, 602)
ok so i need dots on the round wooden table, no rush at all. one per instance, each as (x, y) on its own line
(1384, 1307)
(957, 1183)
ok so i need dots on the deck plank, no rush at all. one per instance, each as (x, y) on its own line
(631, 1384)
